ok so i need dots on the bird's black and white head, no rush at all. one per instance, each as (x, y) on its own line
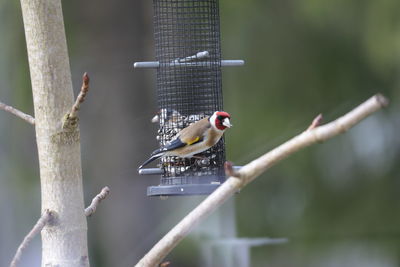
(220, 120)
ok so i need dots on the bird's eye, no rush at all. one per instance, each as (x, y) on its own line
(220, 117)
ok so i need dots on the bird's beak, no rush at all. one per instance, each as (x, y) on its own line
(227, 123)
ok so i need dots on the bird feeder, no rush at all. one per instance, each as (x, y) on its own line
(189, 88)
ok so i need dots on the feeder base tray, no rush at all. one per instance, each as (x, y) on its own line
(181, 190)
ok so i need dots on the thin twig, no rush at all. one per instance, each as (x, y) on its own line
(252, 170)
(18, 113)
(81, 97)
(41, 223)
(316, 122)
(70, 120)
(229, 171)
(96, 201)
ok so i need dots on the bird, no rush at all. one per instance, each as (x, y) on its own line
(195, 138)
(167, 116)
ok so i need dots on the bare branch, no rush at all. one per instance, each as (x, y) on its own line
(96, 201)
(252, 170)
(41, 223)
(71, 119)
(59, 153)
(18, 113)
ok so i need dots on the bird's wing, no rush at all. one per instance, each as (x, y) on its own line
(195, 132)
(191, 135)
(174, 144)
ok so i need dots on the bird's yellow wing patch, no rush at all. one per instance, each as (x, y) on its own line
(193, 140)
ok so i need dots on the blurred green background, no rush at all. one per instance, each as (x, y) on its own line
(337, 202)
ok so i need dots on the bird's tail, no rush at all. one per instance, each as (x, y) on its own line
(151, 159)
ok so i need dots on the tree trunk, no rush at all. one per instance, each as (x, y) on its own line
(64, 242)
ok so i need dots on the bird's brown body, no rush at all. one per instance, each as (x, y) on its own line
(193, 134)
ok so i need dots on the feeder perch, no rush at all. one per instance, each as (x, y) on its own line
(189, 88)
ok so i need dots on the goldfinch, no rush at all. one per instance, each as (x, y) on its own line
(195, 138)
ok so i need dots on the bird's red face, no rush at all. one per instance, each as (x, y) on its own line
(221, 120)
